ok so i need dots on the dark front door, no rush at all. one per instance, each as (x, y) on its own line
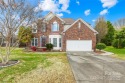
(43, 41)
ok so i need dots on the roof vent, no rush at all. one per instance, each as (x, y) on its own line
(79, 25)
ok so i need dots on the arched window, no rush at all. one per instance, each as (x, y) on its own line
(55, 26)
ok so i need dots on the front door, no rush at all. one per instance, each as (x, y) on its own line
(43, 41)
(56, 41)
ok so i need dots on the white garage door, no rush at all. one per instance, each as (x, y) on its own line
(79, 45)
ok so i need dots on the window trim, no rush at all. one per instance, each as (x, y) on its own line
(53, 25)
(43, 27)
(33, 31)
(34, 26)
(60, 42)
(34, 41)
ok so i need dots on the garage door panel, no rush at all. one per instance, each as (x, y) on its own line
(79, 45)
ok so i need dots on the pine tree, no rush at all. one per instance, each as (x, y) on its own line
(110, 34)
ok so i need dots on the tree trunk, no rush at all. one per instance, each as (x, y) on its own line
(5, 58)
(26, 46)
(99, 40)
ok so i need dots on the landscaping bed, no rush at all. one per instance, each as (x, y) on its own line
(99, 52)
(10, 63)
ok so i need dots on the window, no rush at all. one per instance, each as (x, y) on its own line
(34, 28)
(55, 26)
(43, 27)
(55, 42)
(60, 42)
(34, 42)
(43, 41)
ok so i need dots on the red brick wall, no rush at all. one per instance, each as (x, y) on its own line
(82, 33)
(48, 29)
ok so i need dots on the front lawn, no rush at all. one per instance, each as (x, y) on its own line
(120, 53)
(37, 68)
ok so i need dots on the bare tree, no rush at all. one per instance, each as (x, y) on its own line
(119, 23)
(13, 15)
(101, 27)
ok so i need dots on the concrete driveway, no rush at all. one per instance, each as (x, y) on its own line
(89, 67)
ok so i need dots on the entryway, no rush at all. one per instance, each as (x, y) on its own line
(56, 41)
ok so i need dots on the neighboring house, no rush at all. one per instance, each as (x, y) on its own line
(64, 33)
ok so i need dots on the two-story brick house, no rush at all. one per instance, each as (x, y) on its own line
(65, 34)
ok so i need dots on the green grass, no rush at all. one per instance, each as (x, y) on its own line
(28, 62)
(120, 53)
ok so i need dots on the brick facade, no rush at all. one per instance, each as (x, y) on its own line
(82, 33)
(48, 29)
(73, 33)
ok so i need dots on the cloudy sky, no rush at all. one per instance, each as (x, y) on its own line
(89, 10)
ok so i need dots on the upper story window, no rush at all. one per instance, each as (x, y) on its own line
(43, 27)
(55, 26)
(34, 28)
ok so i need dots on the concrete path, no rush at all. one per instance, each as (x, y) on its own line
(88, 67)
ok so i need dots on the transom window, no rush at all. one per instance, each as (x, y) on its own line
(55, 26)
(34, 41)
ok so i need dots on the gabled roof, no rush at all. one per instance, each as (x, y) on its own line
(68, 20)
(50, 15)
(84, 23)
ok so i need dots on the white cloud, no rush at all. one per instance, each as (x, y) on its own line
(48, 5)
(60, 14)
(93, 20)
(54, 6)
(77, 2)
(103, 12)
(109, 3)
(87, 12)
(65, 5)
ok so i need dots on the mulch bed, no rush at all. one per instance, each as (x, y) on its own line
(10, 63)
(99, 52)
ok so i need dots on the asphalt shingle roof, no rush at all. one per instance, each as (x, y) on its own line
(68, 20)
